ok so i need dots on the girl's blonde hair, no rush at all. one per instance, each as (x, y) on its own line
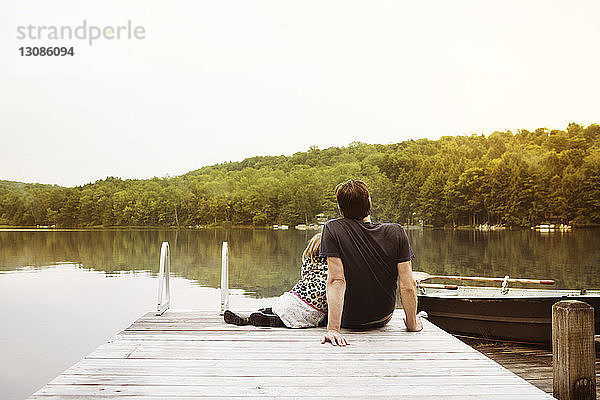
(312, 249)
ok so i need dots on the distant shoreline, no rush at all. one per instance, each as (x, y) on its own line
(6, 228)
(501, 181)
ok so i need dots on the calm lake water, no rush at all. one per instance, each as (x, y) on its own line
(63, 293)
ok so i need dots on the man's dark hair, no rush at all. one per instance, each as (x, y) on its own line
(353, 198)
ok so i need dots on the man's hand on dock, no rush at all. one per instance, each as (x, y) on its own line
(334, 337)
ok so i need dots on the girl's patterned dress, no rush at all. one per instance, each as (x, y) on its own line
(306, 304)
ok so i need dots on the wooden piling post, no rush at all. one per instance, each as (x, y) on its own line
(573, 351)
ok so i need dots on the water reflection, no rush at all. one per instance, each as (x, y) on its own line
(262, 262)
(572, 259)
(266, 262)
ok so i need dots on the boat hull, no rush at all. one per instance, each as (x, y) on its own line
(515, 319)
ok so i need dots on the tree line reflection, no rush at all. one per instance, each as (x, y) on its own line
(266, 263)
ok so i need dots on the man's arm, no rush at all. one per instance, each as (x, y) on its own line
(336, 290)
(408, 294)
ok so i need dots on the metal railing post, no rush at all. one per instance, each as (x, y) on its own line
(164, 280)
(224, 278)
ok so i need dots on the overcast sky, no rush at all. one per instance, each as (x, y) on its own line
(216, 81)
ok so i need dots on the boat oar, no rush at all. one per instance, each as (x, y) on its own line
(434, 286)
(423, 276)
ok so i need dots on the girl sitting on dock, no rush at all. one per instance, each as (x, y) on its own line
(302, 307)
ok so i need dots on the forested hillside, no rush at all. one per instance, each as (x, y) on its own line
(516, 179)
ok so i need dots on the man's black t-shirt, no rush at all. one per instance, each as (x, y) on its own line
(370, 253)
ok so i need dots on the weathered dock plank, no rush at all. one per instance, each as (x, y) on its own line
(193, 354)
(530, 362)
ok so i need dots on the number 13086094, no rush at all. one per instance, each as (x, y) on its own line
(46, 51)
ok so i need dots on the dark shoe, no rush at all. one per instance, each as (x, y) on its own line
(268, 310)
(262, 319)
(236, 319)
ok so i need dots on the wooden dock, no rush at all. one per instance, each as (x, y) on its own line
(194, 354)
(531, 362)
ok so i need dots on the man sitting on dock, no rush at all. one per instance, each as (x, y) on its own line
(366, 261)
